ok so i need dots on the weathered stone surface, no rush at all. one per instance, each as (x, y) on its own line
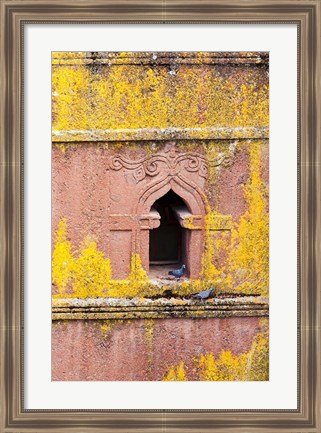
(139, 350)
(128, 130)
(172, 133)
(159, 58)
(130, 127)
(125, 189)
(124, 309)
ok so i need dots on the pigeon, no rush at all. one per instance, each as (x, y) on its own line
(203, 295)
(178, 272)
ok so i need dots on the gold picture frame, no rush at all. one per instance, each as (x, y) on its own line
(306, 14)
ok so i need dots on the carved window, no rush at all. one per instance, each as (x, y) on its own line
(167, 243)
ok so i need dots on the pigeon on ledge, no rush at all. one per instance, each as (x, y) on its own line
(178, 272)
(203, 295)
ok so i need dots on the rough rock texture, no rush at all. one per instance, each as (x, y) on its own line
(146, 139)
(102, 192)
(141, 349)
(121, 308)
(130, 127)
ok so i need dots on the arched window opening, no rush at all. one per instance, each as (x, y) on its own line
(167, 242)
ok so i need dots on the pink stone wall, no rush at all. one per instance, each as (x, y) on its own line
(105, 189)
(110, 202)
(84, 350)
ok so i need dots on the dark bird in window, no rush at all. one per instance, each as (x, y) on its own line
(178, 273)
(203, 295)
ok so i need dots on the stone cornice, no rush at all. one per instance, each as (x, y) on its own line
(145, 134)
(137, 308)
(160, 58)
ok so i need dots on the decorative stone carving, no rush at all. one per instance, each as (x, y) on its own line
(172, 161)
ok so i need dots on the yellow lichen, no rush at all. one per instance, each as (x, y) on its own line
(149, 333)
(176, 373)
(68, 55)
(129, 96)
(91, 272)
(257, 366)
(209, 270)
(137, 272)
(136, 285)
(227, 367)
(105, 327)
(63, 259)
(189, 96)
(249, 255)
(216, 243)
(250, 366)
(70, 86)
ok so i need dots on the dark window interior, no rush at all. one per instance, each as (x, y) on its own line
(165, 246)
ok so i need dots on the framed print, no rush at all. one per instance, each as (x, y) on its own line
(160, 201)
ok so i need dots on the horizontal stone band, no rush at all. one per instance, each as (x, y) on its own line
(160, 58)
(211, 133)
(111, 308)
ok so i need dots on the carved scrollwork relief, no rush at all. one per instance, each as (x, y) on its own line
(173, 161)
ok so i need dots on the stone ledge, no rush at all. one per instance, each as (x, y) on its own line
(118, 308)
(145, 134)
(160, 58)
